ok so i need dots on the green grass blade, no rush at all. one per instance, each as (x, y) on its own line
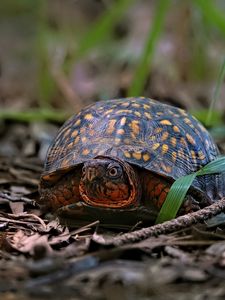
(215, 166)
(34, 115)
(103, 26)
(175, 198)
(143, 67)
(180, 187)
(216, 93)
(212, 13)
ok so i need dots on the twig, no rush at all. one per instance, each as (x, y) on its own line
(25, 215)
(169, 226)
(16, 198)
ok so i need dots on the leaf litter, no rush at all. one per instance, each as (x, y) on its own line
(38, 253)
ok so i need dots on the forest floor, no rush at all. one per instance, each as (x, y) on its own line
(42, 259)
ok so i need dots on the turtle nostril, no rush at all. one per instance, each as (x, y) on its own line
(91, 173)
(83, 171)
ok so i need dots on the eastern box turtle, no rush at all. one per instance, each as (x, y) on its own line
(116, 160)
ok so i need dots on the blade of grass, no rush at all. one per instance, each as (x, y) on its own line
(46, 86)
(175, 198)
(146, 58)
(102, 27)
(213, 14)
(215, 166)
(34, 115)
(216, 93)
(180, 187)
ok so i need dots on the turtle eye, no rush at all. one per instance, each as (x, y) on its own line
(114, 171)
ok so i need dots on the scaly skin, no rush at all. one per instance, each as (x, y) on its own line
(154, 190)
(64, 192)
(93, 187)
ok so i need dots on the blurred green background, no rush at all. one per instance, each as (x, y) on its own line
(58, 56)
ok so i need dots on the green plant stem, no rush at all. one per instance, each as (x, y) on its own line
(34, 115)
(146, 58)
(216, 93)
(103, 27)
(213, 14)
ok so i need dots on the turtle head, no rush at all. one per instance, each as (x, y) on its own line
(109, 182)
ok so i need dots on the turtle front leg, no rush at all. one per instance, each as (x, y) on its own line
(64, 192)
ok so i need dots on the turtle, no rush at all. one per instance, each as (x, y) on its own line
(116, 160)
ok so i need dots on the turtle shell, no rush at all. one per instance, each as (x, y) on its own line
(144, 132)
